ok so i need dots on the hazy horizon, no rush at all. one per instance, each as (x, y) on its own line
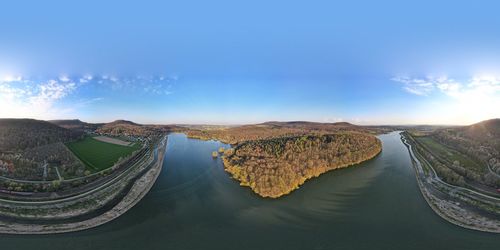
(238, 63)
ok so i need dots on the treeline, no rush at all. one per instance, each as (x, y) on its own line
(127, 128)
(57, 154)
(20, 134)
(268, 130)
(275, 167)
(478, 141)
(454, 171)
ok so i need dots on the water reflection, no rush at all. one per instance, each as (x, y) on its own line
(195, 205)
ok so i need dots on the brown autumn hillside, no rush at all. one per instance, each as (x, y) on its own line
(76, 124)
(275, 167)
(20, 134)
(267, 130)
(480, 141)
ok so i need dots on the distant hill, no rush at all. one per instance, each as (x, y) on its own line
(123, 127)
(76, 124)
(21, 134)
(123, 123)
(484, 132)
(275, 129)
(314, 125)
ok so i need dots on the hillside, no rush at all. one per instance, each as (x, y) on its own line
(21, 134)
(76, 124)
(267, 130)
(485, 132)
(480, 141)
(123, 127)
(275, 167)
(128, 128)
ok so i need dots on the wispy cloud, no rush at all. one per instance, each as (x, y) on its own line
(41, 98)
(64, 78)
(86, 102)
(86, 78)
(23, 98)
(155, 85)
(471, 100)
(417, 86)
(485, 85)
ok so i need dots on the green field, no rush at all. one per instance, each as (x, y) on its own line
(448, 154)
(98, 155)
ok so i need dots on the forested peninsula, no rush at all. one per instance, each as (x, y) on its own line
(277, 166)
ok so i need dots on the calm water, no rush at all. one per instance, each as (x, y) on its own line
(195, 205)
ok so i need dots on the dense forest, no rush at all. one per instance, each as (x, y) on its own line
(275, 167)
(20, 134)
(480, 141)
(128, 128)
(29, 149)
(77, 125)
(267, 130)
(463, 155)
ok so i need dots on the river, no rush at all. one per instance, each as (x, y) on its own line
(195, 205)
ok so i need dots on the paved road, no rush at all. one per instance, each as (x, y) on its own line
(435, 177)
(107, 184)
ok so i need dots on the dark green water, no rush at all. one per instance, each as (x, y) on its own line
(195, 205)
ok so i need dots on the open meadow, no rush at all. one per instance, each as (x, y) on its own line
(98, 155)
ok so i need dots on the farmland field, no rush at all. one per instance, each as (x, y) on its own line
(99, 155)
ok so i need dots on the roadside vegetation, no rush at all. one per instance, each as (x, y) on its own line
(32, 150)
(464, 156)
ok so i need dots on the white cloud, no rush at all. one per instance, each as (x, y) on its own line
(9, 78)
(20, 99)
(486, 85)
(415, 86)
(472, 100)
(64, 78)
(86, 78)
(41, 99)
(86, 102)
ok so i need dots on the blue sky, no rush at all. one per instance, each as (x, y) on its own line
(234, 62)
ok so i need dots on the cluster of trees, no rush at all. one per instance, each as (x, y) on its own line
(235, 135)
(20, 134)
(20, 167)
(479, 142)
(30, 187)
(128, 128)
(456, 173)
(277, 166)
(57, 154)
(77, 125)
(30, 146)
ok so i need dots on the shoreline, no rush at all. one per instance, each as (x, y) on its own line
(301, 183)
(303, 179)
(137, 192)
(446, 205)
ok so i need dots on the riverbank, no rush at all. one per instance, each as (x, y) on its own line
(452, 205)
(141, 182)
(275, 167)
